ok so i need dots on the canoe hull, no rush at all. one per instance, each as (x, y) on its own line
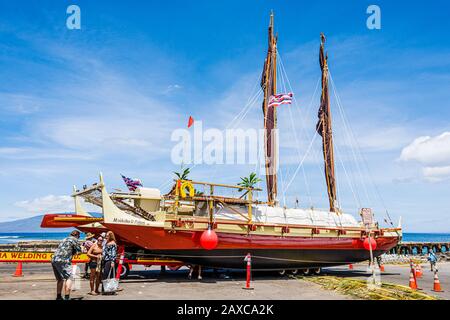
(268, 252)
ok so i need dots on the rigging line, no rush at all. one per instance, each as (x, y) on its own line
(364, 160)
(349, 137)
(282, 187)
(302, 119)
(244, 111)
(283, 87)
(249, 107)
(301, 162)
(247, 111)
(362, 157)
(250, 102)
(299, 155)
(308, 191)
(356, 197)
(303, 127)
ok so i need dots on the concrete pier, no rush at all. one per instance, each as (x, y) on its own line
(420, 248)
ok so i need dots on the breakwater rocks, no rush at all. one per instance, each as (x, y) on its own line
(406, 258)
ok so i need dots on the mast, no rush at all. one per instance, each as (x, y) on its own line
(324, 128)
(269, 86)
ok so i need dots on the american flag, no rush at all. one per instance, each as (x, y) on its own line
(132, 184)
(281, 98)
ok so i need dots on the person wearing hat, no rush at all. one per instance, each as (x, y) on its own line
(87, 244)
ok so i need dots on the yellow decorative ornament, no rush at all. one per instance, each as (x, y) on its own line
(187, 185)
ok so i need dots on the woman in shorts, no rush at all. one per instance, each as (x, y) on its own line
(95, 254)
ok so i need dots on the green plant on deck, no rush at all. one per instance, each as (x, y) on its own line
(249, 182)
(183, 174)
(198, 193)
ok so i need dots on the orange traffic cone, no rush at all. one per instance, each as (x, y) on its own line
(18, 272)
(350, 266)
(412, 280)
(437, 284)
(382, 268)
(419, 271)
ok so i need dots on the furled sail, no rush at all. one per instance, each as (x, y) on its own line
(269, 86)
(324, 128)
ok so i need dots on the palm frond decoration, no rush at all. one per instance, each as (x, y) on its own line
(183, 174)
(249, 182)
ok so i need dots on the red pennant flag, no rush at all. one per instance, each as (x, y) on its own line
(190, 122)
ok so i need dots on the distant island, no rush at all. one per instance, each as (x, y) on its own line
(32, 224)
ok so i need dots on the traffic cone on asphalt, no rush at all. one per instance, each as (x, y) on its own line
(382, 267)
(412, 280)
(18, 272)
(437, 284)
(419, 271)
(350, 267)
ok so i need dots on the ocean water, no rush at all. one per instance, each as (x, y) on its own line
(6, 238)
(426, 237)
(34, 236)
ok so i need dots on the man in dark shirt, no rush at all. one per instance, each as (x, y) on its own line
(62, 264)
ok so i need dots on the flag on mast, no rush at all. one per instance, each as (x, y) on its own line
(190, 121)
(281, 98)
(132, 184)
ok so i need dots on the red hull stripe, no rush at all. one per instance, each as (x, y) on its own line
(159, 239)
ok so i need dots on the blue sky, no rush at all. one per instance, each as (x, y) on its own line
(107, 97)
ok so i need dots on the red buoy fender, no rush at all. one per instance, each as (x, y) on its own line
(367, 244)
(209, 239)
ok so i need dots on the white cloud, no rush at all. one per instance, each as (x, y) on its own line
(436, 174)
(171, 88)
(50, 203)
(374, 139)
(26, 153)
(20, 103)
(428, 150)
(431, 152)
(9, 151)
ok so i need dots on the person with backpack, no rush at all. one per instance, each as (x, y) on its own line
(433, 259)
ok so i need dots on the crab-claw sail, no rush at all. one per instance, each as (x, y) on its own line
(323, 127)
(269, 86)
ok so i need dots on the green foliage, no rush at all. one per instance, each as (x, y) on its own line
(249, 182)
(183, 174)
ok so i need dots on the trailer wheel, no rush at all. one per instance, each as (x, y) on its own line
(306, 272)
(282, 272)
(125, 270)
(318, 271)
(294, 272)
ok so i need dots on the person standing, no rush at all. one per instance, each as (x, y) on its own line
(62, 264)
(87, 244)
(109, 255)
(95, 255)
(433, 259)
(192, 269)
